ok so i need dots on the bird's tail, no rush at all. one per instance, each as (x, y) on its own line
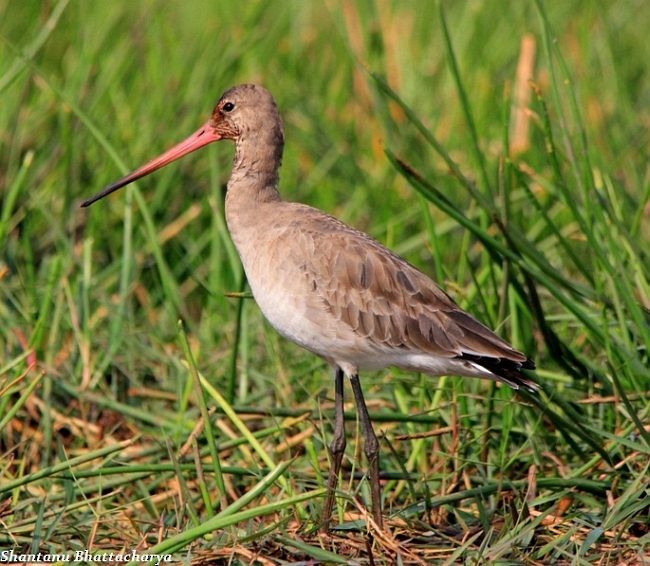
(508, 371)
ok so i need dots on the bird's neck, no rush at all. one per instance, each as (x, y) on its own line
(254, 178)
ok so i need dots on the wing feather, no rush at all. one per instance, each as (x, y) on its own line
(385, 299)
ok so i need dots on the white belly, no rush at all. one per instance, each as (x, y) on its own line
(286, 312)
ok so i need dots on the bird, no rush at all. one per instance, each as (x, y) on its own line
(332, 289)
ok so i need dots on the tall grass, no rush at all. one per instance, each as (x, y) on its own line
(500, 146)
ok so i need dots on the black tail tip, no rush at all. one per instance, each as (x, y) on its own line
(508, 371)
(528, 364)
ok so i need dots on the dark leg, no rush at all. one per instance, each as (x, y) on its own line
(371, 448)
(337, 448)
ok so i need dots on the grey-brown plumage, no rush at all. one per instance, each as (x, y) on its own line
(330, 288)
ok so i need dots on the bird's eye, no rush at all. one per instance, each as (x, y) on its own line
(228, 107)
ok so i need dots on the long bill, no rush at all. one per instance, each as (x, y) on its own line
(203, 136)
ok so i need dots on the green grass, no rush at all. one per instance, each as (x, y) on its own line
(121, 429)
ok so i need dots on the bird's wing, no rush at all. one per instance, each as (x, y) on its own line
(383, 298)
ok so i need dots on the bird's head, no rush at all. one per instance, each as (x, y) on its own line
(243, 112)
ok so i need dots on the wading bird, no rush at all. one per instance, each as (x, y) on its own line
(330, 288)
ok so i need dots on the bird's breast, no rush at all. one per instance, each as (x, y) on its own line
(275, 254)
(288, 302)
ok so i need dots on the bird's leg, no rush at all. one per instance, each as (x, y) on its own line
(371, 448)
(337, 448)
